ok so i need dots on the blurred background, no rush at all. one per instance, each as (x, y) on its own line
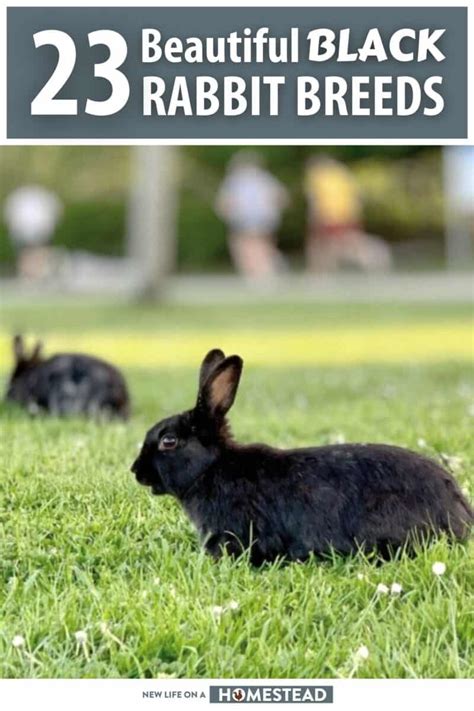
(156, 208)
(160, 240)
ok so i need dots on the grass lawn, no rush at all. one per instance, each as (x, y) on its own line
(84, 548)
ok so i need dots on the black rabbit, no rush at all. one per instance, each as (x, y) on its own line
(66, 384)
(291, 503)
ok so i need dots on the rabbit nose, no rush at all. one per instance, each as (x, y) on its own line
(136, 469)
(139, 475)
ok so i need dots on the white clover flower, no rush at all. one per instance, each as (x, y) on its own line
(438, 568)
(18, 641)
(337, 438)
(382, 589)
(233, 605)
(81, 636)
(452, 461)
(360, 576)
(104, 628)
(362, 653)
(396, 589)
(217, 611)
(421, 442)
(156, 581)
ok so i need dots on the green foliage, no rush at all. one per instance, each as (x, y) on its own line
(7, 251)
(93, 226)
(201, 235)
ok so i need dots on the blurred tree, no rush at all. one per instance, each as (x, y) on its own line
(152, 215)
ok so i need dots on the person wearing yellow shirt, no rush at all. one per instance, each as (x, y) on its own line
(336, 236)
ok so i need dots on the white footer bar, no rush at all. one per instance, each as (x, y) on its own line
(131, 694)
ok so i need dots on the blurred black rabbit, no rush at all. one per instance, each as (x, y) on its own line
(291, 503)
(66, 384)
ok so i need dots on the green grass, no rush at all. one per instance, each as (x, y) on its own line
(76, 314)
(82, 544)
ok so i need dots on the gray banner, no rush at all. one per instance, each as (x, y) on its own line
(29, 68)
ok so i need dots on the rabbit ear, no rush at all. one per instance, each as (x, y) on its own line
(36, 352)
(208, 364)
(18, 348)
(219, 390)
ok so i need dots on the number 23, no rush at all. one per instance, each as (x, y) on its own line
(45, 103)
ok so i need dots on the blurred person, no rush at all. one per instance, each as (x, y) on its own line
(250, 201)
(32, 214)
(336, 235)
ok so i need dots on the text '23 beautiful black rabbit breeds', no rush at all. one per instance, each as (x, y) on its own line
(66, 384)
(291, 503)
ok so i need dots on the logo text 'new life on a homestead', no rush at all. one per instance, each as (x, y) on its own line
(271, 694)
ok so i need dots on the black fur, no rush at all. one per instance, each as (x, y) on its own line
(66, 384)
(291, 503)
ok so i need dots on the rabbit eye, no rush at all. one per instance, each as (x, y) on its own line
(168, 442)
